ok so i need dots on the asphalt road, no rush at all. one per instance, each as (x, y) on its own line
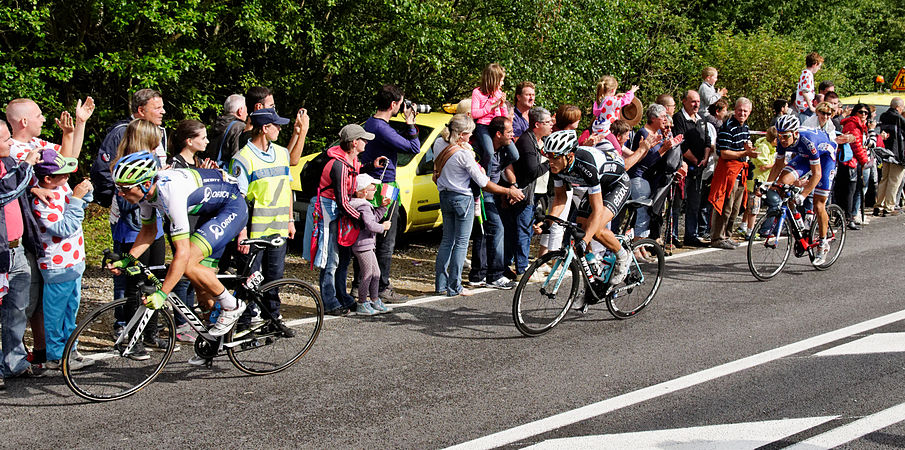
(718, 360)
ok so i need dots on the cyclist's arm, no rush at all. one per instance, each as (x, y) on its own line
(595, 221)
(181, 250)
(559, 200)
(777, 167)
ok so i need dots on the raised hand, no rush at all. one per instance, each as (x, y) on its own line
(65, 123)
(83, 111)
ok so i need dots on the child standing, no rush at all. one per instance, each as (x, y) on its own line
(608, 105)
(364, 247)
(60, 227)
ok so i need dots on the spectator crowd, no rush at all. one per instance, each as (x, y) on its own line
(489, 167)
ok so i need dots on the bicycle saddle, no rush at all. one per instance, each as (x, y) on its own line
(639, 202)
(265, 242)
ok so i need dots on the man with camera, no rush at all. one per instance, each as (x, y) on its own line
(389, 142)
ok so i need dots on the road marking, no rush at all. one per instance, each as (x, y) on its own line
(750, 435)
(605, 406)
(850, 432)
(875, 343)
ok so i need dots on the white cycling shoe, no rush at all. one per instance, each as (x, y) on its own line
(621, 270)
(820, 254)
(226, 320)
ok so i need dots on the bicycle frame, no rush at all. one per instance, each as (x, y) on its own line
(803, 241)
(144, 314)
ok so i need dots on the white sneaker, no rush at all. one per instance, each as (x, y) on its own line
(78, 364)
(621, 270)
(226, 320)
(196, 360)
(538, 277)
(820, 254)
(544, 269)
(502, 283)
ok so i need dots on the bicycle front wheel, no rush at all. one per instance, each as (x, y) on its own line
(768, 248)
(538, 307)
(266, 348)
(96, 368)
(645, 273)
(835, 235)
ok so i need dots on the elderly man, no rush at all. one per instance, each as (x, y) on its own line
(727, 192)
(893, 124)
(226, 133)
(697, 149)
(524, 101)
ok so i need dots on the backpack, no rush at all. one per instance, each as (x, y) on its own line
(311, 174)
(347, 231)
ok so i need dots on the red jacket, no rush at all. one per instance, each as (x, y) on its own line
(857, 128)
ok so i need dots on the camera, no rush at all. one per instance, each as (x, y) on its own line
(419, 109)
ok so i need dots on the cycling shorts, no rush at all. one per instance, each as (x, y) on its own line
(614, 196)
(214, 232)
(801, 166)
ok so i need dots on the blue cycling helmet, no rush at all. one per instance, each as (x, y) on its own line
(136, 168)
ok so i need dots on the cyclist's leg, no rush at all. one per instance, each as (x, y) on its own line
(207, 245)
(822, 193)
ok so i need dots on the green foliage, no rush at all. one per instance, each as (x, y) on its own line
(329, 56)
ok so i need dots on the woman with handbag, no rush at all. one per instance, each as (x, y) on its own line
(454, 170)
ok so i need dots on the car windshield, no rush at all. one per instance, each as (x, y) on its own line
(403, 158)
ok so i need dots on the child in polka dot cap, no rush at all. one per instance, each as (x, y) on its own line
(60, 228)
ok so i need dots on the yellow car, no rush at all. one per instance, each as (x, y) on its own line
(879, 100)
(420, 200)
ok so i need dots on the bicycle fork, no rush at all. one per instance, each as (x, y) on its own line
(556, 266)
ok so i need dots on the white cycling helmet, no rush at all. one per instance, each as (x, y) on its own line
(787, 123)
(561, 142)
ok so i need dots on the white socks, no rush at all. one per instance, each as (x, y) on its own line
(226, 300)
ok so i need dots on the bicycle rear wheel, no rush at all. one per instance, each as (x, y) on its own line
(644, 275)
(114, 372)
(263, 348)
(538, 307)
(768, 249)
(835, 235)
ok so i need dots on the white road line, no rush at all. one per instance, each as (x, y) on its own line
(850, 432)
(605, 406)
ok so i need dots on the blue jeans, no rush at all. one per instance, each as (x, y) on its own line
(493, 239)
(640, 190)
(333, 276)
(272, 264)
(458, 216)
(12, 314)
(518, 221)
(485, 149)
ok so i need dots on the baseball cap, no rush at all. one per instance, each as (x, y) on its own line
(266, 116)
(55, 164)
(354, 131)
(364, 180)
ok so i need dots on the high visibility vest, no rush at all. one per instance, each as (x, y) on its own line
(269, 196)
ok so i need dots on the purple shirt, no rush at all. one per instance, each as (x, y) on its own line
(519, 124)
(387, 142)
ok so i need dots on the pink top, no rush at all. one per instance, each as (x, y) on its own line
(13, 212)
(482, 110)
(608, 111)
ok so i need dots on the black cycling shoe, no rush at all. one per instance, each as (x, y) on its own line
(283, 328)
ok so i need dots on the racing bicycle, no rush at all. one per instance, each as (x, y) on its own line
(263, 344)
(782, 229)
(538, 307)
